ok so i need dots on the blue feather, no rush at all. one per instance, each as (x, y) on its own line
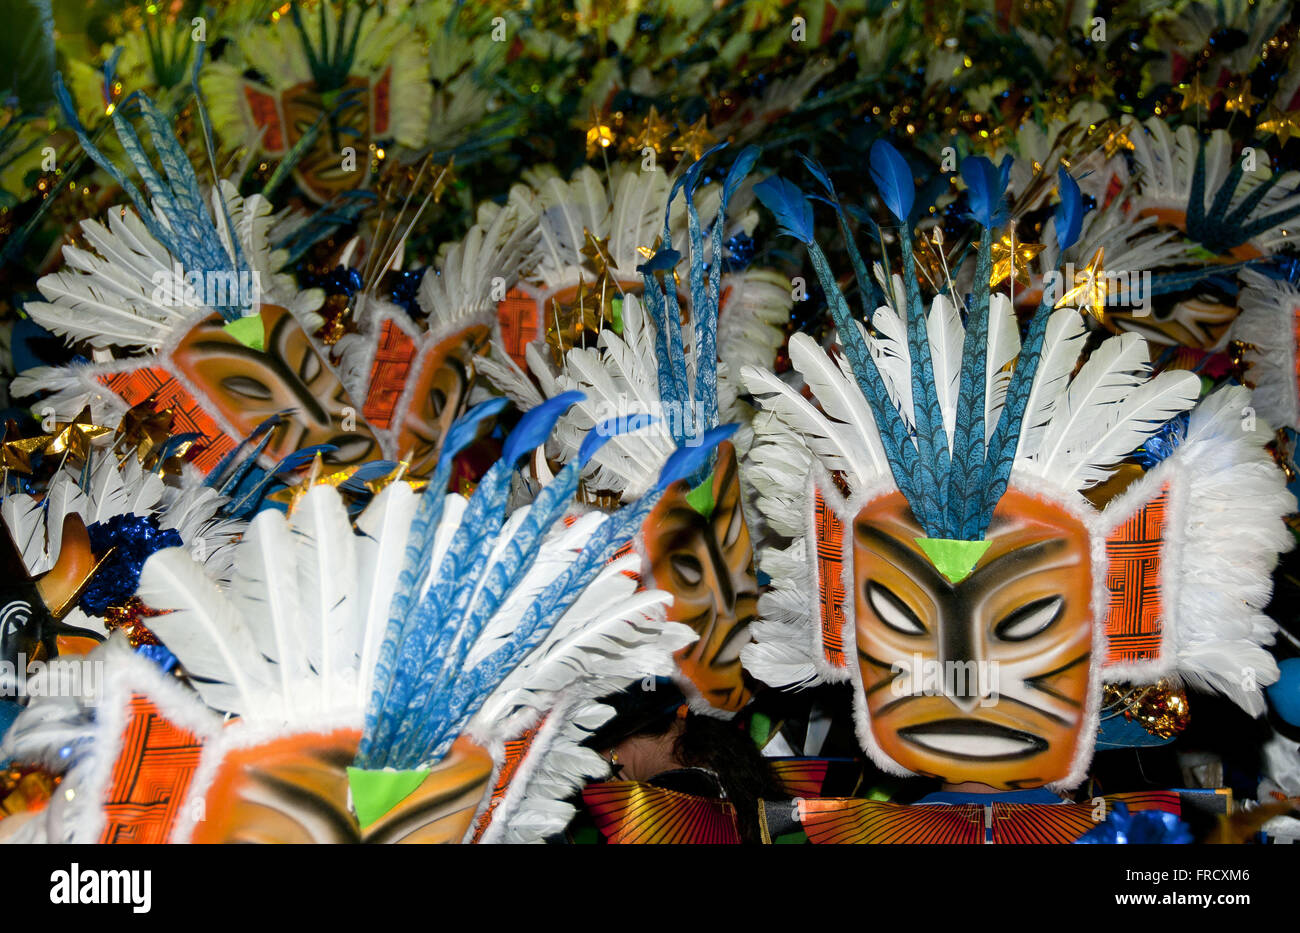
(661, 261)
(899, 449)
(986, 188)
(686, 461)
(932, 461)
(706, 321)
(356, 483)
(463, 431)
(789, 205)
(968, 450)
(1006, 434)
(893, 179)
(536, 424)
(302, 457)
(601, 434)
(214, 477)
(740, 169)
(654, 299)
(871, 295)
(1069, 213)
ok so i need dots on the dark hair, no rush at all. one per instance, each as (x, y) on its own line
(724, 748)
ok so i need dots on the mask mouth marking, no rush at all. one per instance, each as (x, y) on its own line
(973, 740)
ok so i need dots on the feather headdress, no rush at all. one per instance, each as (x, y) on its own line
(438, 617)
(952, 416)
(647, 366)
(154, 270)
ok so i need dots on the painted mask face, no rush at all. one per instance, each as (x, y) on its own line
(439, 398)
(354, 114)
(708, 566)
(295, 790)
(984, 680)
(247, 386)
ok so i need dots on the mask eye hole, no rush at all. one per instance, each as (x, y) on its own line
(733, 528)
(893, 611)
(246, 387)
(687, 569)
(1030, 620)
(310, 367)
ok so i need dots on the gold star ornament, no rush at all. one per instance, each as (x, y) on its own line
(1088, 292)
(1010, 257)
(75, 436)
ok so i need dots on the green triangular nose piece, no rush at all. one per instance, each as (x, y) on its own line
(954, 559)
(374, 793)
(248, 330)
(701, 497)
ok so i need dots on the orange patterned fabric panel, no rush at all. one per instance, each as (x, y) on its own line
(800, 777)
(626, 812)
(832, 821)
(1133, 628)
(858, 821)
(135, 386)
(517, 314)
(829, 531)
(516, 752)
(388, 374)
(150, 778)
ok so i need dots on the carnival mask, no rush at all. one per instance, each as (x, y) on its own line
(247, 386)
(438, 398)
(295, 790)
(985, 678)
(349, 117)
(706, 562)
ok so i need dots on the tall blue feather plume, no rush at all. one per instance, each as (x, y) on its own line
(968, 450)
(510, 568)
(415, 566)
(932, 461)
(1006, 435)
(422, 658)
(899, 449)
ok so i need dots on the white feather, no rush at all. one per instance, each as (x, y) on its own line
(946, 336)
(1062, 342)
(1140, 414)
(327, 586)
(386, 523)
(838, 450)
(206, 632)
(1003, 347)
